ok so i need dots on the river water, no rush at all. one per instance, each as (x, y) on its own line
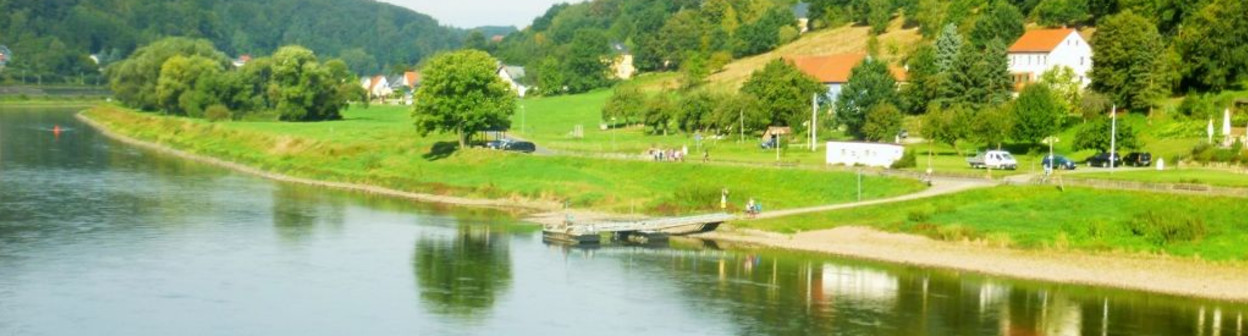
(99, 238)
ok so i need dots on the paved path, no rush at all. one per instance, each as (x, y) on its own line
(940, 186)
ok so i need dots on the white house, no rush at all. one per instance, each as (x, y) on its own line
(622, 61)
(378, 87)
(833, 70)
(863, 153)
(1039, 51)
(512, 75)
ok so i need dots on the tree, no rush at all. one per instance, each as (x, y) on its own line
(1038, 113)
(980, 77)
(883, 123)
(476, 40)
(1096, 135)
(134, 80)
(994, 125)
(870, 84)
(1065, 86)
(659, 112)
(785, 91)
(764, 34)
(924, 78)
(627, 104)
(586, 63)
(1126, 59)
(360, 61)
(695, 110)
(1093, 104)
(879, 14)
(1000, 21)
(1212, 45)
(184, 85)
(462, 94)
(306, 90)
(739, 112)
(948, 46)
(1055, 13)
(929, 15)
(948, 125)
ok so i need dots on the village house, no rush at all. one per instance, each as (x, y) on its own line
(622, 62)
(1039, 51)
(241, 60)
(801, 11)
(408, 83)
(833, 70)
(512, 75)
(377, 87)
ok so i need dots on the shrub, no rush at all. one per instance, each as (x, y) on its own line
(216, 113)
(919, 215)
(1165, 226)
(907, 160)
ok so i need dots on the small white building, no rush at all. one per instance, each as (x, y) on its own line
(512, 75)
(377, 87)
(1039, 51)
(863, 153)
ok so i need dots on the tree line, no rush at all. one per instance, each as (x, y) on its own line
(51, 40)
(190, 77)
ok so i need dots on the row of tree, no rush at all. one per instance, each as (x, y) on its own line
(53, 39)
(190, 77)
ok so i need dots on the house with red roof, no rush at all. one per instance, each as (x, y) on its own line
(1042, 50)
(833, 70)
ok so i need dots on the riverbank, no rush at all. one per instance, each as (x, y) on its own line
(378, 147)
(1159, 274)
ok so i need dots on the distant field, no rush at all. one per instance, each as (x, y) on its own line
(378, 146)
(1043, 217)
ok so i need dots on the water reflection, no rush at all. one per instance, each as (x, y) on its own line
(464, 276)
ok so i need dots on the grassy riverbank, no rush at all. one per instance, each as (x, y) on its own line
(1045, 218)
(377, 146)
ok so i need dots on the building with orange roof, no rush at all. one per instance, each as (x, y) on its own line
(834, 70)
(1042, 50)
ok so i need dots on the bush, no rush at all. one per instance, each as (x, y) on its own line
(216, 113)
(919, 215)
(1165, 226)
(907, 160)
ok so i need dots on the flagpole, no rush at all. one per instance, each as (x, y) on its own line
(1113, 136)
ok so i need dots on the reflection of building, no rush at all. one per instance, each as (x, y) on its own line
(870, 288)
(1057, 316)
(5, 55)
(1039, 51)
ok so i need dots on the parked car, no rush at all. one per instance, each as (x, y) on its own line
(1057, 162)
(497, 144)
(770, 143)
(995, 159)
(1105, 160)
(520, 146)
(1138, 159)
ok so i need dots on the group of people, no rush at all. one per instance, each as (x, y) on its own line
(753, 208)
(672, 155)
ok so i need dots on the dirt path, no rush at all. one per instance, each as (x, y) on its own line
(1177, 276)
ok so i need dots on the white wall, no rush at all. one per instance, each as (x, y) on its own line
(1073, 52)
(863, 153)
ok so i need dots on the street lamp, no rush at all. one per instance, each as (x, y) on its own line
(613, 148)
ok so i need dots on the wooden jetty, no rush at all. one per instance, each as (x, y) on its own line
(647, 230)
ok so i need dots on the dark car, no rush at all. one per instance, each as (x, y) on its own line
(520, 146)
(1138, 159)
(497, 144)
(1104, 160)
(1058, 162)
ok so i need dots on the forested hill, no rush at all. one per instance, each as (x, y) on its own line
(54, 37)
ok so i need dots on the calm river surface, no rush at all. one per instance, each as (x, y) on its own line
(98, 238)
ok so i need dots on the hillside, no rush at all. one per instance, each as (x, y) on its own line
(53, 38)
(894, 45)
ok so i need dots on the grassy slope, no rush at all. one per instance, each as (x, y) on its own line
(378, 146)
(1037, 217)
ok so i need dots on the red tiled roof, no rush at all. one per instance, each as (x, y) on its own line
(412, 77)
(1042, 40)
(836, 68)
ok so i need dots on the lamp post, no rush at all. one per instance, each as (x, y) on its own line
(613, 148)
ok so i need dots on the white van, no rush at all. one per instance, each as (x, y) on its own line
(995, 159)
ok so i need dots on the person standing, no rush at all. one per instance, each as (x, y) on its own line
(723, 199)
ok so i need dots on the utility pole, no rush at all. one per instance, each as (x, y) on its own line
(1113, 136)
(814, 121)
(742, 112)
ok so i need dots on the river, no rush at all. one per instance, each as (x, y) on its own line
(99, 238)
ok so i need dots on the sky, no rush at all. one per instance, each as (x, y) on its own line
(476, 13)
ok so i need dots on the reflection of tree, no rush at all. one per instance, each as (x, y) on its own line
(462, 277)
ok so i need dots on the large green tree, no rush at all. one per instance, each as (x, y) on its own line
(462, 94)
(134, 79)
(1038, 113)
(1055, 13)
(883, 123)
(980, 77)
(924, 79)
(998, 21)
(586, 64)
(1126, 62)
(626, 105)
(184, 86)
(305, 89)
(785, 91)
(1214, 45)
(870, 84)
(1096, 135)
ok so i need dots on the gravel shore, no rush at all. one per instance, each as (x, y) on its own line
(1160, 274)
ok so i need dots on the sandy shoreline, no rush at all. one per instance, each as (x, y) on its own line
(1184, 277)
(1159, 274)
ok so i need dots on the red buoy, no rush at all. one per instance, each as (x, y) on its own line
(56, 130)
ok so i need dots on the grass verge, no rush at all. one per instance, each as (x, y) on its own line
(1042, 217)
(378, 146)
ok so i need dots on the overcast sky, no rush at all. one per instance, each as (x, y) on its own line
(476, 13)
